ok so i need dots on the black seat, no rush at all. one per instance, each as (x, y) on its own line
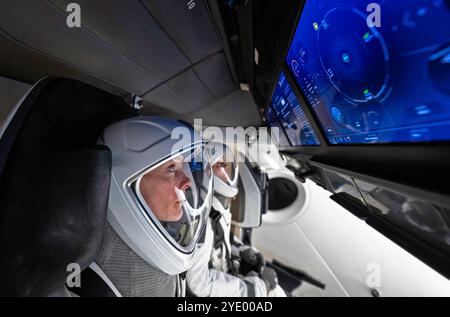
(54, 184)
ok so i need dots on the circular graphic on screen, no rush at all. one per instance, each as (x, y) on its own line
(296, 67)
(353, 55)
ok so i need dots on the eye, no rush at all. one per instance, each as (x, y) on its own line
(171, 169)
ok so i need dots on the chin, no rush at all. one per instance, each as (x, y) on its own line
(176, 216)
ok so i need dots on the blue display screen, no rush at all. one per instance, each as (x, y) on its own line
(273, 122)
(290, 114)
(375, 84)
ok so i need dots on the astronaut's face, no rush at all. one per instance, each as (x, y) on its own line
(158, 189)
(222, 170)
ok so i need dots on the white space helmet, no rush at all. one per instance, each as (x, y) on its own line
(225, 169)
(161, 189)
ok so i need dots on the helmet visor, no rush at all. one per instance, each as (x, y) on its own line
(224, 165)
(176, 195)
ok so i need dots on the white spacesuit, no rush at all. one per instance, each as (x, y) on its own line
(217, 267)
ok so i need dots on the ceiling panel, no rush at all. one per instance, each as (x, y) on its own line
(166, 51)
(215, 75)
(182, 94)
(192, 29)
(77, 46)
(28, 65)
(127, 26)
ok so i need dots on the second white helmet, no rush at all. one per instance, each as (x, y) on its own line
(225, 169)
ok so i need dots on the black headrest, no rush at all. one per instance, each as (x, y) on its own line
(54, 184)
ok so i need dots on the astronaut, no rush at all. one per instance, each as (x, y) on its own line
(160, 198)
(224, 266)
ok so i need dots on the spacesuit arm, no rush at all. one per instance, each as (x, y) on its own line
(204, 282)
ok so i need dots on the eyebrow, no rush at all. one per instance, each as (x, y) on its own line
(171, 165)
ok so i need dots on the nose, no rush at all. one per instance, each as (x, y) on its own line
(222, 174)
(184, 183)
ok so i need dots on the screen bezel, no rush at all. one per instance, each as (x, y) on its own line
(424, 156)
